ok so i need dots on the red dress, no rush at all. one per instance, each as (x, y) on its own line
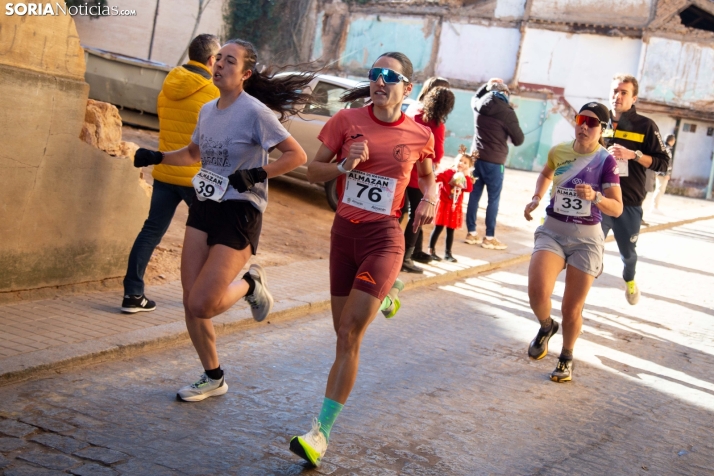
(449, 212)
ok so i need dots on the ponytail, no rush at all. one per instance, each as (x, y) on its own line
(281, 93)
(358, 92)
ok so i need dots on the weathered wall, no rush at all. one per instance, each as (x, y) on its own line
(693, 156)
(69, 211)
(131, 35)
(368, 36)
(678, 74)
(583, 65)
(564, 55)
(599, 12)
(509, 9)
(492, 52)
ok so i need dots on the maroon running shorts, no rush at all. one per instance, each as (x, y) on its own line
(365, 256)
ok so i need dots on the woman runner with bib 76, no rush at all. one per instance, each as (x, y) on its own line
(377, 146)
(586, 184)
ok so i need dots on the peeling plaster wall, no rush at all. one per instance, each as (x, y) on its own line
(510, 9)
(693, 155)
(678, 74)
(69, 212)
(583, 65)
(371, 35)
(131, 35)
(491, 52)
(602, 12)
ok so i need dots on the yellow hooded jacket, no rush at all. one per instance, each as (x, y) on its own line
(181, 98)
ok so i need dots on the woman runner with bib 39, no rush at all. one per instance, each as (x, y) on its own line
(231, 140)
(586, 184)
(376, 147)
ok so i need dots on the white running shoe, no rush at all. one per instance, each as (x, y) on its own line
(261, 301)
(311, 446)
(201, 390)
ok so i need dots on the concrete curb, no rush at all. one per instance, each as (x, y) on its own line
(55, 360)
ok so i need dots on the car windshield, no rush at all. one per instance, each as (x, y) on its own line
(327, 99)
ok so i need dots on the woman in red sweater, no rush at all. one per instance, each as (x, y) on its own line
(438, 103)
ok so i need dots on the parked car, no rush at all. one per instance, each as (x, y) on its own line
(326, 90)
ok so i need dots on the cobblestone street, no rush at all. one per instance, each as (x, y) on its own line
(444, 388)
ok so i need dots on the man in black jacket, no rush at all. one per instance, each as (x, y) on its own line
(637, 145)
(495, 122)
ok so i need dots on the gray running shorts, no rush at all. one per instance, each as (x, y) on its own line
(581, 246)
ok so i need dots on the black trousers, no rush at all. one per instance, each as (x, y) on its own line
(626, 228)
(411, 202)
(435, 236)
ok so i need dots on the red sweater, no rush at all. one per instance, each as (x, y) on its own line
(439, 132)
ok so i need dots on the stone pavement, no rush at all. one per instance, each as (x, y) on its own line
(444, 389)
(68, 330)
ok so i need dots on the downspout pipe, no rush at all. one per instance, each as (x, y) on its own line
(711, 179)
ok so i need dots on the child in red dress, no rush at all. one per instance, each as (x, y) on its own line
(454, 182)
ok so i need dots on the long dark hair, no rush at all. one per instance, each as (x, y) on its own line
(430, 84)
(362, 91)
(438, 103)
(284, 93)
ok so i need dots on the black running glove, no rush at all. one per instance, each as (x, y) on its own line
(146, 157)
(243, 180)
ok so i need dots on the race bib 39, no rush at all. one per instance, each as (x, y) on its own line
(209, 185)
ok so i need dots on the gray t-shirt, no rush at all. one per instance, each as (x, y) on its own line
(238, 137)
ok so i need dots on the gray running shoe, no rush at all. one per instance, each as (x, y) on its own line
(201, 390)
(538, 347)
(563, 371)
(261, 301)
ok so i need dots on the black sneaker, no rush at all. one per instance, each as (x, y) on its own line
(563, 371)
(132, 304)
(448, 257)
(435, 257)
(539, 346)
(408, 266)
(421, 257)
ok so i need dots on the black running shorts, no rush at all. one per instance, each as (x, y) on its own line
(232, 223)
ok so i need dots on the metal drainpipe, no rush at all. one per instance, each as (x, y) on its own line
(711, 179)
(153, 29)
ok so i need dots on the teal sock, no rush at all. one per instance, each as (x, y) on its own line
(329, 413)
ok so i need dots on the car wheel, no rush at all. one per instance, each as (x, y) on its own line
(331, 192)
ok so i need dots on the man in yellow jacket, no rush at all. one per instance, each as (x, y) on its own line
(186, 89)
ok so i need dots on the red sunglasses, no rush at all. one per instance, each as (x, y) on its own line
(592, 122)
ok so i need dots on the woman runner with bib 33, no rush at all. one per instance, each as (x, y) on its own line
(376, 147)
(231, 140)
(586, 184)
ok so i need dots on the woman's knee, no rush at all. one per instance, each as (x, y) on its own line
(537, 294)
(200, 308)
(572, 312)
(349, 337)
